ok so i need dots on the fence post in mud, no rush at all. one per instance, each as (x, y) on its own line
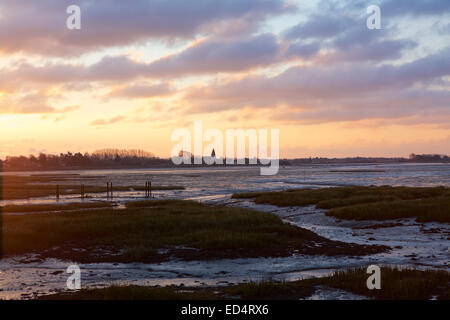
(148, 189)
(57, 192)
(82, 191)
(109, 190)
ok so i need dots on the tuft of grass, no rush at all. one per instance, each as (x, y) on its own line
(184, 229)
(366, 203)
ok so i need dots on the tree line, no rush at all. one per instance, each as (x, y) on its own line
(105, 158)
(135, 158)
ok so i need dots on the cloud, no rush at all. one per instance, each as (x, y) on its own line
(143, 91)
(344, 71)
(335, 92)
(216, 55)
(442, 29)
(102, 122)
(206, 57)
(320, 27)
(40, 26)
(303, 50)
(389, 8)
(415, 7)
(347, 37)
(30, 104)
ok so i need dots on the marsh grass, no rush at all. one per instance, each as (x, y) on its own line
(424, 210)
(364, 203)
(186, 229)
(396, 284)
(270, 289)
(23, 187)
(13, 208)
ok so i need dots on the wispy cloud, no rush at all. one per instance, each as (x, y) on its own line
(103, 122)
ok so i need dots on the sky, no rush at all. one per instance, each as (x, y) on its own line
(138, 70)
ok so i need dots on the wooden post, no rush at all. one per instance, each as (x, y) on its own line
(111, 189)
(148, 189)
(57, 192)
(107, 190)
(82, 191)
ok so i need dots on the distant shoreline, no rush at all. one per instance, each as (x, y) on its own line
(283, 163)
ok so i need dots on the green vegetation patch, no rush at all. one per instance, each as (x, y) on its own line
(163, 229)
(366, 203)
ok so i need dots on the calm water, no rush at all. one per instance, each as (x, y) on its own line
(216, 184)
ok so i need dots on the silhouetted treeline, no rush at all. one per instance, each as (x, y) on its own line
(101, 159)
(412, 158)
(429, 158)
(116, 158)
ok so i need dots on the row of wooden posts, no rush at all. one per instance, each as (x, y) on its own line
(109, 190)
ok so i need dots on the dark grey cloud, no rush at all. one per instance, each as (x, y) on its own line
(389, 8)
(143, 91)
(303, 50)
(320, 27)
(347, 36)
(40, 26)
(217, 55)
(415, 7)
